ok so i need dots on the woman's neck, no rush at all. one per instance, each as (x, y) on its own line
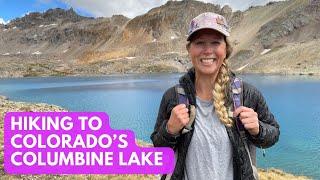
(204, 86)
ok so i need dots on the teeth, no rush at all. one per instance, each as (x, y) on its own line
(207, 60)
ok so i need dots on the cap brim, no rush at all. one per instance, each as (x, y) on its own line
(227, 34)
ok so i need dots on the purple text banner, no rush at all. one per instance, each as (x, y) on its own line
(76, 143)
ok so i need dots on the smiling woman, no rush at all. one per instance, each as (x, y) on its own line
(202, 119)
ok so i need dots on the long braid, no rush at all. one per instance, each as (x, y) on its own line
(219, 94)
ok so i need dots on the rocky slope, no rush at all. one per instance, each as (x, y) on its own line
(282, 40)
(279, 37)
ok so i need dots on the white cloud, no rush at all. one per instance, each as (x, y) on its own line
(25, 14)
(2, 21)
(129, 8)
(240, 5)
(132, 8)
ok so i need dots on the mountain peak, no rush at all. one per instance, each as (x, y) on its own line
(56, 15)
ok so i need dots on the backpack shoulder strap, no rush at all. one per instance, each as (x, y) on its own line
(237, 93)
(183, 99)
(237, 96)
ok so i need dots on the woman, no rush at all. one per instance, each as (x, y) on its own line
(213, 147)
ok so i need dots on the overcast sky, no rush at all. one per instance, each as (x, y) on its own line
(10, 9)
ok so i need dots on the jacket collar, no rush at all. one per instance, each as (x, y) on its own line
(187, 81)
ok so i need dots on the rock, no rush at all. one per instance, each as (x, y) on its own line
(226, 11)
(170, 19)
(314, 8)
(4, 97)
(281, 27)
(291, 23)
(50, 16)
(236, 18)
(243, 55)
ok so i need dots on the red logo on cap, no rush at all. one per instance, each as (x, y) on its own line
(220, 21)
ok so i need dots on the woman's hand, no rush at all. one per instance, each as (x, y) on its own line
(249, 119)
(178, 119)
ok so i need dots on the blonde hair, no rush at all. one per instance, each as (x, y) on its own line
(221, 88)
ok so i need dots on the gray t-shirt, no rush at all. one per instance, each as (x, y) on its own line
(209, 154)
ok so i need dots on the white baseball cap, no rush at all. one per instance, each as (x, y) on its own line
(209, 20)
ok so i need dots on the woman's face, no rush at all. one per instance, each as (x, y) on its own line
(207, 51)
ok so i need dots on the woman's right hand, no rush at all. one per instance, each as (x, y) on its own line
(178, 119)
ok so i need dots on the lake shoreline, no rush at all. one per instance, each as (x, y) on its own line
(312, 75)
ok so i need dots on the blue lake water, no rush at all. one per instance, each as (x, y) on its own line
(132, 102)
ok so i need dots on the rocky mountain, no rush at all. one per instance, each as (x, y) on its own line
(280, 37)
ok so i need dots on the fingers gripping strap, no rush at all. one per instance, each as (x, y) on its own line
(183, 99)
(236, 96)
(192, 115)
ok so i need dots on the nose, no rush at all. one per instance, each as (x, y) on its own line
(208, 49)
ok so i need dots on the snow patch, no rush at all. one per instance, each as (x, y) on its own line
(50, 25)
(240, 68)
(6, 54)
(130, 58)
(265, 51)
(36, 53)
(25, 14)
(41, 25)
(172, 37)
(2, 21)
(65, 51)
(172, 52)
(154, 40)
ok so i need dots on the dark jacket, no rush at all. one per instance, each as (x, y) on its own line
(252, 98)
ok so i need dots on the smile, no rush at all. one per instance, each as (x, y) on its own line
(207, 61)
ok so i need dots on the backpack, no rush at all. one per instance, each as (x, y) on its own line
(237, 93)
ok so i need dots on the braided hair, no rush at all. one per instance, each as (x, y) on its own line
(221, 87)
